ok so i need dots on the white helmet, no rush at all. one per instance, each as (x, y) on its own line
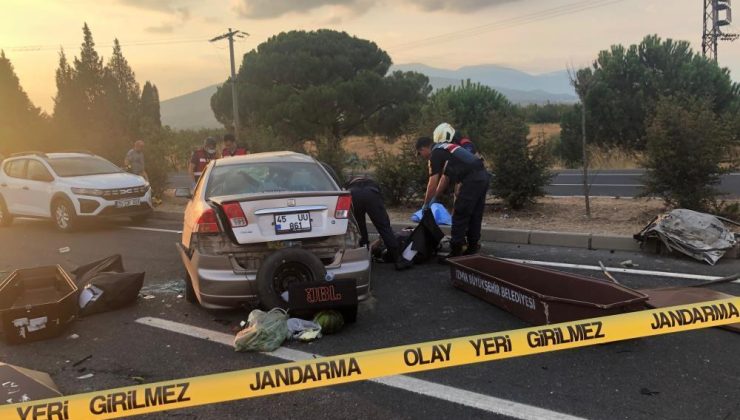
(443, 133)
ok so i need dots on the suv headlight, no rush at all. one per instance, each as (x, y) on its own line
(88, 191)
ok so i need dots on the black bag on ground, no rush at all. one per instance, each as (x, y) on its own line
(425, 238)
(104, 286)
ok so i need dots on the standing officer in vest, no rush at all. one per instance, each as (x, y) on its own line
(231, 148)
(446, 161)
(201, 157)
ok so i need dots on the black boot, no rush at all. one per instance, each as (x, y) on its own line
(400, 262)
(455, 251)
(472, 249)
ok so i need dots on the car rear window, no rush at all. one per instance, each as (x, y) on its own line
(258, 178)
(82, 166)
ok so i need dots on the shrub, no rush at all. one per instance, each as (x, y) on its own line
(688, 148)
(403, 175)
(521, 170)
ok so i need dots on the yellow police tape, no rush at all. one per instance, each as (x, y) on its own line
(287, 377)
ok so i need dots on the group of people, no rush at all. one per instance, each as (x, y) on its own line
(453, 162)
(134, 161)
(208, 152)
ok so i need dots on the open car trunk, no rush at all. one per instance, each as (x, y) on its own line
(283, 217)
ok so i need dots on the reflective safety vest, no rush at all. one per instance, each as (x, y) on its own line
(201, 158)
(238, 151)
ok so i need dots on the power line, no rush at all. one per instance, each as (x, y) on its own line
(49, 47)
(507, 23)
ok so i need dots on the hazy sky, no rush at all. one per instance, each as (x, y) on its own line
(165, 41)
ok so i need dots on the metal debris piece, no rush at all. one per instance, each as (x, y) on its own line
(698, 235)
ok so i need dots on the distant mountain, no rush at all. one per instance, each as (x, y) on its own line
(518, 86)
(192, 110)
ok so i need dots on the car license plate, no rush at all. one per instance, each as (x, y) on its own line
(292, 223)
(127, 202)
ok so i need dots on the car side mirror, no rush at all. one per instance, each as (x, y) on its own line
(183, 193)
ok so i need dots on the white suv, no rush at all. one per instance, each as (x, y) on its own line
(66, 187)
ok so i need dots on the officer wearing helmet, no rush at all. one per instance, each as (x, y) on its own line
(450, 161)
(201, 157)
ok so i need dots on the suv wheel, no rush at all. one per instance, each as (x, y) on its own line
(5, 217)
(63, 214)
(283, 268)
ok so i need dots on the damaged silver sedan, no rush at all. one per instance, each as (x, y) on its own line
(258, 223)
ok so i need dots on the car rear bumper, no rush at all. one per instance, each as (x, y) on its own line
(219, 282)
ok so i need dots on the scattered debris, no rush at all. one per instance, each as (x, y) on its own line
(64, 250)
(645, 391)
(83, 360)
(147, 297)
(698, 235)
(303, 330)
(179, 296)
(266, 331)
(138, 379)
(73, 337)
(628, 264)
(86, 376)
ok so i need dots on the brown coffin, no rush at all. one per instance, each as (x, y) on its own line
(539, 295)
(36, 304)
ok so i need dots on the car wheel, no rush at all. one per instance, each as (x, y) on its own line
(283, 268)
(5, 217)
(189, 289)
(64, 216)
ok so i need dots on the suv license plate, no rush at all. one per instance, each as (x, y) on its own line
(127, 202)
(292, 223)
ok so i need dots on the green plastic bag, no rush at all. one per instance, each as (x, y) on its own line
(265, 331)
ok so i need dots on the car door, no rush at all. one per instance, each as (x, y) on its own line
(12, 186)
(39, 183)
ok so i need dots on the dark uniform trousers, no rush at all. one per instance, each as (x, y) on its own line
(469, 207)
(367, 200)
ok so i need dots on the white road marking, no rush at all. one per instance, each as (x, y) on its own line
(620, 270)
(146, 229)
(599, 174)
(418, 386)
(596, 185)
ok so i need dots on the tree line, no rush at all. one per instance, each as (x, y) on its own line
(99, 107)
(657, 97)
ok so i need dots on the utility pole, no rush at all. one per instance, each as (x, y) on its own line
(717, 13)
(234, 100)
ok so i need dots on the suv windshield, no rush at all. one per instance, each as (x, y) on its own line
(82, 165)
(257, 178)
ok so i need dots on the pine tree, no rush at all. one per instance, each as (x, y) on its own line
(121, 93)
(150, 114)
(20, 121)
(88, 75)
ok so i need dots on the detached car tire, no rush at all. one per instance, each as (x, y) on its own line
(63, 214)
(283, 268)
(5, 217)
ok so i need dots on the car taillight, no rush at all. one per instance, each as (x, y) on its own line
(207, 222)
(235, 214)
(344, 203)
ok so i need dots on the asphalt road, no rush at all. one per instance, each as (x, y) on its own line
(607, 183)
(618, 183)
(679, 376)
